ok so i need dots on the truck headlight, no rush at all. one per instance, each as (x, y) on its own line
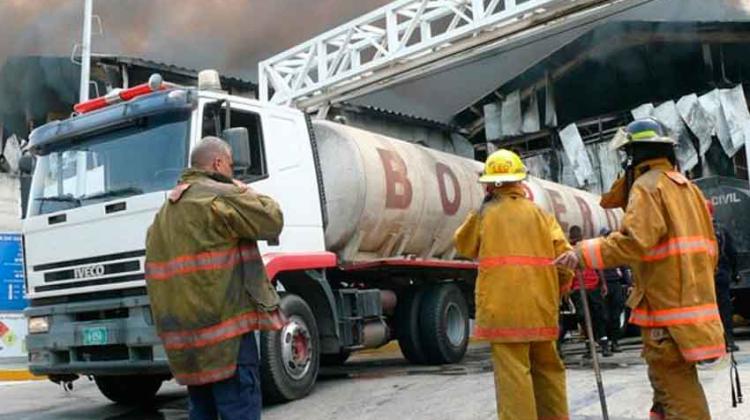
(38, 324)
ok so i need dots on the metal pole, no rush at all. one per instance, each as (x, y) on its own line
(86, 50)
(592, 346)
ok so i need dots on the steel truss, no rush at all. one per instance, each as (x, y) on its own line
(360, 55)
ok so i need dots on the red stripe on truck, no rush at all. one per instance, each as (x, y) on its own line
(277, 262)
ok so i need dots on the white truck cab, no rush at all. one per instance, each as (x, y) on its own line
(97, 185)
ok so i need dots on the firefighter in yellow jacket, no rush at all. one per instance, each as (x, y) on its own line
(667, 239)
(518, 292)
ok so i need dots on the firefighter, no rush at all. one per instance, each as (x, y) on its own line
(208, 286)
(518, 291)
(667, 239)
(596, 291)
(616, 280)
(726, 270)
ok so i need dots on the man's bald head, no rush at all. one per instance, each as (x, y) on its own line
(212, 154)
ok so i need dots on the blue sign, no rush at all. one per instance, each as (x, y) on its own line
(12, 284)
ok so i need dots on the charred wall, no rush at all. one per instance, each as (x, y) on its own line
(598, 80)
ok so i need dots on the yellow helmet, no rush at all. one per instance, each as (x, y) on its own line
(503, 166)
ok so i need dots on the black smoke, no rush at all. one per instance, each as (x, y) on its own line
(230, 35)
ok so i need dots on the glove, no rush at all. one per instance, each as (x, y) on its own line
(568, 259)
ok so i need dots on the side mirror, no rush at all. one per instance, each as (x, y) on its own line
(26, 164)
(239, 139)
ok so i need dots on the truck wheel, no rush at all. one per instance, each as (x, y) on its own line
(407, 326)
(290, 357)
(335, 359)
(129, 390)
(444, 317)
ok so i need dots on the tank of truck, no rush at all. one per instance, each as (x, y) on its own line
(389, 198)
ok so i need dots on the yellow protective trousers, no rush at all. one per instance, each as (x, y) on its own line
(529, 381)
(678, 394)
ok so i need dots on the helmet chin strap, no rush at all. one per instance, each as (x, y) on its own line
(627, 162)
(629, 168)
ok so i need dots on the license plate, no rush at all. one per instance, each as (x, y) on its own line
(95, 336)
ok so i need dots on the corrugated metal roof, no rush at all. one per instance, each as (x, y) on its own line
(171, 68)
(409, 118)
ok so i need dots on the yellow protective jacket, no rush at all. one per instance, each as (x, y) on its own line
(206, 281)
(518, 287)
(668, 240)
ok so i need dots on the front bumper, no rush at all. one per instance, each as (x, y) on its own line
(127, 341)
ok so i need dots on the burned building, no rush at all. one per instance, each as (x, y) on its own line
(689, 75)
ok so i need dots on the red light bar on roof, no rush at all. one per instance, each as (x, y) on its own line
(154, 84)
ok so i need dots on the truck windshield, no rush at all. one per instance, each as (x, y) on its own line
(145, 156)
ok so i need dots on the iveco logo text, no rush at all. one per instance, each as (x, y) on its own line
(96, 270)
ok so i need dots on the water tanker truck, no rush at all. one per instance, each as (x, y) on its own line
(365, 256)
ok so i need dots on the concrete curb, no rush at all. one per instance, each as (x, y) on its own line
(19, 375)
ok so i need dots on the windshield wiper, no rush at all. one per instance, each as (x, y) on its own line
(61, 198)
(120, 192)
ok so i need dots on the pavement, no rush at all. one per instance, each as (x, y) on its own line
(380, 384)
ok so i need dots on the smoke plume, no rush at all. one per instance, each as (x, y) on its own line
(230, 35)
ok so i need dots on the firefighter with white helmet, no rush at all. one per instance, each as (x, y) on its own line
(667, 239)
(518, 291)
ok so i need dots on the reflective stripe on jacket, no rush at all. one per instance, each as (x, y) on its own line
(206, 281)
(668, 240)
(518, 288)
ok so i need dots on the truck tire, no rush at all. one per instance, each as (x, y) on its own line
(444, 317)
(129, 390)
(290, 357)
(407, 326)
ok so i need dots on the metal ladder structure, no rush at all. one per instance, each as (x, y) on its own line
(405, 39)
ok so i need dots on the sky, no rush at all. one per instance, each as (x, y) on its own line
(229, 35)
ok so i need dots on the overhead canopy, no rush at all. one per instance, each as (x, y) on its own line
(444, 94)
